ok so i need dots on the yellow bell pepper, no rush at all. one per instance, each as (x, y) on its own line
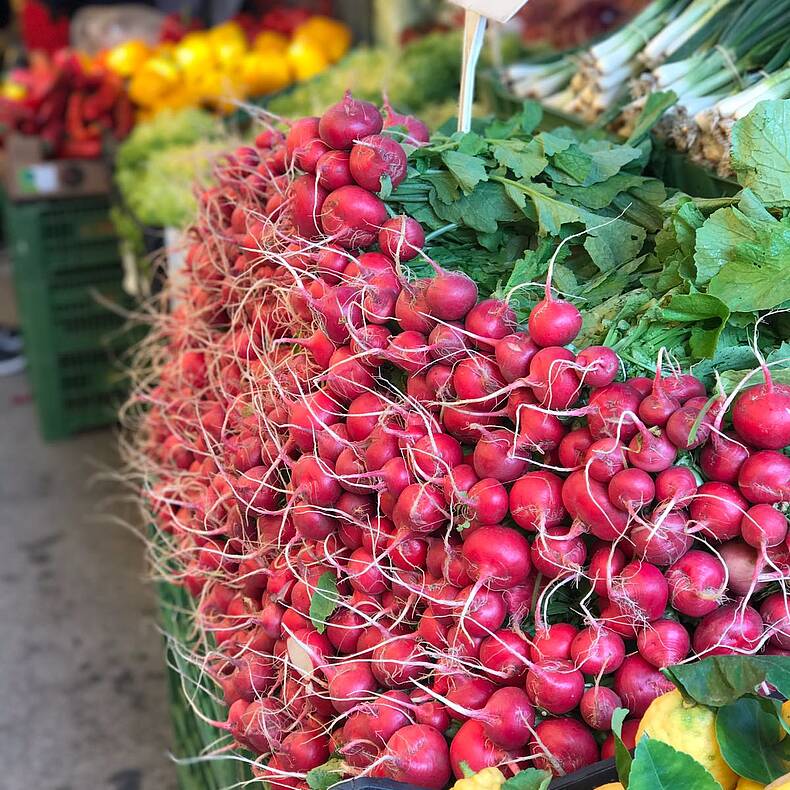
(330, 35)
(306, 59)
(227, 32)
(154, 79)
(124, 59)
(270, 41)
(263, 73)
(194, 53)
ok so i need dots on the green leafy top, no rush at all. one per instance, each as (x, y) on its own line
(760, 153)
(324, 601)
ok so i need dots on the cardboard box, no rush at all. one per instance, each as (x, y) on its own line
(29, 176)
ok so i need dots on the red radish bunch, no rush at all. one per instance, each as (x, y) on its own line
(372, 563)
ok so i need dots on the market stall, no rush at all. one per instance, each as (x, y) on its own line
(469, 448)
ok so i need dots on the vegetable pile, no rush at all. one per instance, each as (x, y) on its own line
(68, 102)
(716, 59)
(420, 535)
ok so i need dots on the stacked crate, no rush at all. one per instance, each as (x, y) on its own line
(66, 263)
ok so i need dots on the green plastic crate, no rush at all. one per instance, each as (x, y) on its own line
(63, 243)
(192, 736)
(75, 390)
(66, 263)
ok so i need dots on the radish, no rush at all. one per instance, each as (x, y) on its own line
(722, 457)
(504, 655)
(638, 683)
(420, 509)
(396, 662)
(744, 566)
(416, 131)
(347, 377)
(433, 456)
(555, 551)
(657, 407)
(628, 736)
(631, 489)
(663, 538)
(610, 409)
(729, 629)
(676, 486)
(763, 525)
(513, 355)
(494, 456)
(599, 364)
(363, 414)
(350, 682)
(573, 447)
(486, 503)
(761, 415)
(564, 746)
(333, 170)
(466, 694)
(475, 378)
(651, 451)
(553, 642)
(597, 651)
(352, 216)
(776, 616)
(555, 685)
(508, 718)
(376, 157)
(536, 501)
(553, 322)
(401, 238)
(640, 592)
(498, 557)
(717, 510)
(663, 643)
(697, 583)
(411, 309)
(301, 134)
(447, 343)
(553, 378)
(588, 501)
(681, 424)
(764, 477)
(485, 611)
(470, 747)
(314, 481)
(418, 755)
(308, 199)
(489, 321)
(304, 750)
(347, 121)
(605, 563)
(597, 706)
(450, 295)
(604, 459)
(538, 431)
(684, 387)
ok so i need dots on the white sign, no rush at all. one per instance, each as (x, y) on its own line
(498, 10)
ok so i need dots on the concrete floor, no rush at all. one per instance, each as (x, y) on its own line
(83, 702)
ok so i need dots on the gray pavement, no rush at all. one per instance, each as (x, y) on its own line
(83, 702)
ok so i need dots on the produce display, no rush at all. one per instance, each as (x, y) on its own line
(715, 59)
(431, 520)
(67, 101)
(228, 62)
